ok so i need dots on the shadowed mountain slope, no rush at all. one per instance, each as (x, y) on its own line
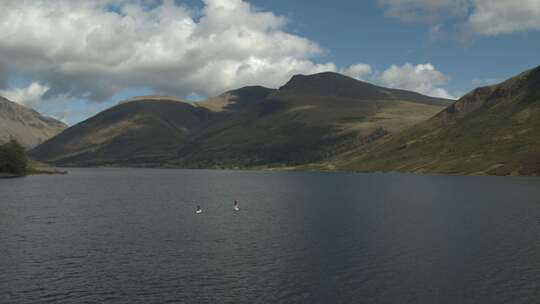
(236, 100)
(144, 131)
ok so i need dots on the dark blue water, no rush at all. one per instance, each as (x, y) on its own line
(132, 236)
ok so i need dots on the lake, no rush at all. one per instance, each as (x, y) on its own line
(132, 236)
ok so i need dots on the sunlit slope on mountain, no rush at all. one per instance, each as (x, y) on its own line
(492, 130)
(307, 120)
(25, 125)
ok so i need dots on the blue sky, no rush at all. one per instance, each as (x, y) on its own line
(450, 48)
(353, 31)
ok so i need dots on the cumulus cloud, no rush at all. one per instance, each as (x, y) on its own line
(29, 96)
(357, 71)
(422, 78)
(94, 49)
(492, 17)
(473, 17)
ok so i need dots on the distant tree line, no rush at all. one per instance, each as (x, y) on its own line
(13, 158)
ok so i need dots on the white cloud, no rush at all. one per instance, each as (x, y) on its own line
(422, 78)
(29, 96)
(84, 49)
(473, 17)
(357, 71)
(75, 50)
(492, 17)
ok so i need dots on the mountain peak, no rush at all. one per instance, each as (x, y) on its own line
(333, 84)
(326, 75)
(331, 77)
(26, 125)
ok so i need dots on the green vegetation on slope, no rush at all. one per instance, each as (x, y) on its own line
(141, 132)
(493, 130)
(309, 119)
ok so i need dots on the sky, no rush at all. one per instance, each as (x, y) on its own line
(71, 59)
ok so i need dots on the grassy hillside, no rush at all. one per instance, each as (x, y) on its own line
(492, 130)
(309, 119)
(144, 131)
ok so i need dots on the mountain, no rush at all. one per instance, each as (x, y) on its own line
(334, 85)
(308, 119)
(492, 130)
(236, 100)
(145, 130)
(25, 125)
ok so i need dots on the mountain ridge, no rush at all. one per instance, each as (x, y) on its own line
(248, 127)
(339, 85)
(26, 125)
(492, 130)
(234, 100)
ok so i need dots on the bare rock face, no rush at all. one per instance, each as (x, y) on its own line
(523, 86)
(25, 125)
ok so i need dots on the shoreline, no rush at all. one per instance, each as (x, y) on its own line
(294, 169)
(7, 175)
(46, 171)
(34, 171)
